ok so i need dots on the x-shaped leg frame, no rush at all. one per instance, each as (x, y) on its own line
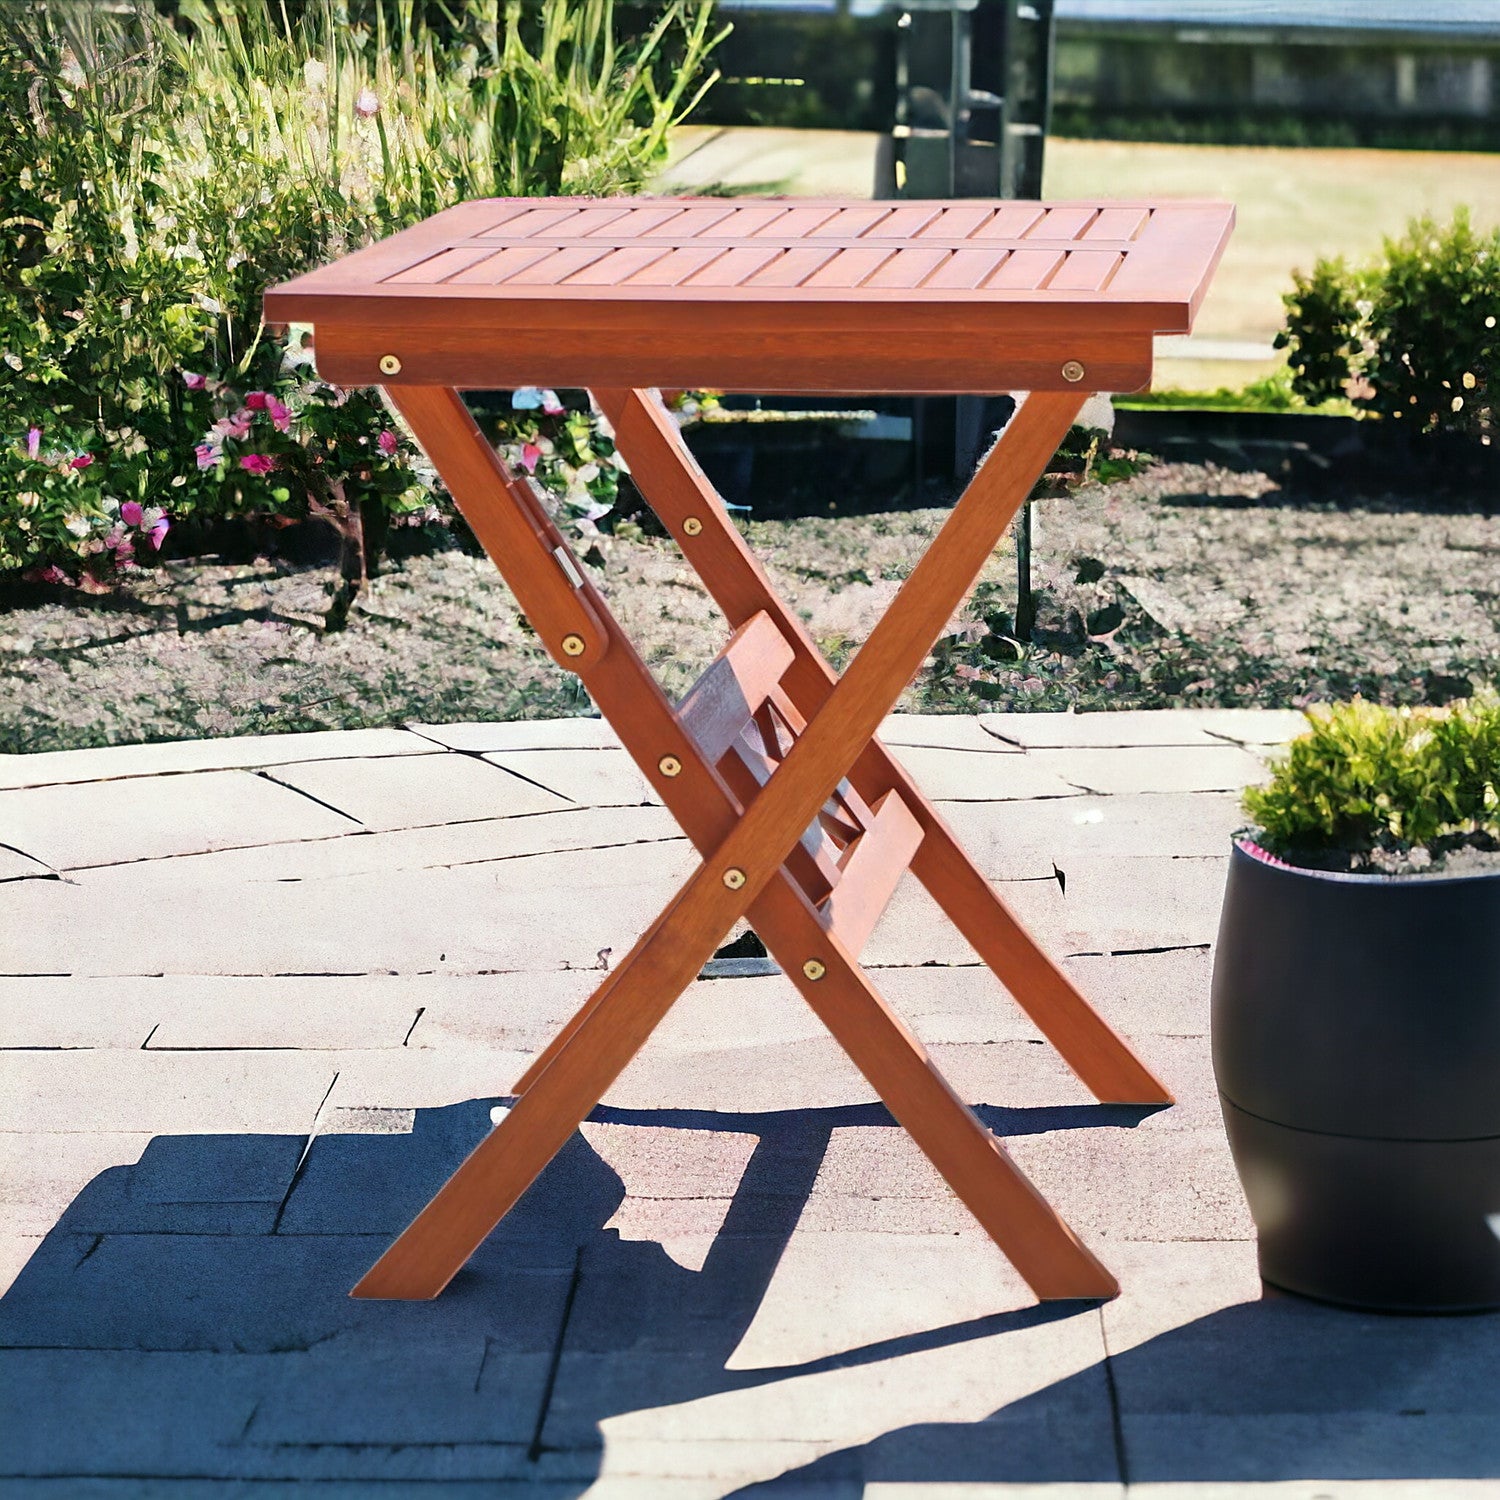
(804, 821)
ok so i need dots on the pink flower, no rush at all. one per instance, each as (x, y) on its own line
(82, 461)
(124, 552)
(159, 530)
(194, 382)
(207, 455)
(237, 426)
(50, 574)
(387, 443)
(257, 401)
(33, 442)
(257, 463)
(551, 406)
(130, 513)
(366, 103)
(281, 416)
(529, 455)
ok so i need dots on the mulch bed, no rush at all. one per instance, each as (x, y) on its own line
(1188, 584)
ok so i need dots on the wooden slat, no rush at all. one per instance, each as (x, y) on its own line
(500, 265)
(633, 223)
(733, 267)
(1026, 269)
(688, 223)
(1174, 257)
(909, 268)
(966, 268)
(850, 267)
(1011, 221)
(716, 709)
(1085, 271)
(557, 267)
(814, 845)
(870, 873)
(851, 223)
(1118, 224)
(439, 267)
(618, 266)
(956, 223)
(792, 268)
(675, 266)
(536, 220)
(590, 220)
(1064, 223)
(906, 221)
(797, 222)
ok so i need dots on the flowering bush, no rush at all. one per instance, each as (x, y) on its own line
(570, 452)
(159, 176)
(56, 504)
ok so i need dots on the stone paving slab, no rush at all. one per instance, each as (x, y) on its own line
(497, 916)
(430, 848)
(408, 793)
(44, 1171)
(1024, 840)
(943, 732)
(947, 775)
(590, 778)
(17, 866)
(1145, 727)
(166, 1092)
(114, 762)
(108, 822)
(522, 734)
(1152, 768)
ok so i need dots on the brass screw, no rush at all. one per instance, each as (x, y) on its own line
(814, 969)
(692, 526)
(734, 878)
(573, 645)
(669, 765)
(1072, 371)
(389, 365)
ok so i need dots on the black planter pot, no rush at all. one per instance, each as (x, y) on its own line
(1356, 1044)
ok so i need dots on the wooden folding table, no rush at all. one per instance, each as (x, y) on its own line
(771, 764)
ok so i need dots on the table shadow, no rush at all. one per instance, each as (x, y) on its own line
(189, 1316)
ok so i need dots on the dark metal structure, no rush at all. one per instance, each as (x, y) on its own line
(973, 95)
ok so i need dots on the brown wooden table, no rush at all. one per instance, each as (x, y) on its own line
(804, 821)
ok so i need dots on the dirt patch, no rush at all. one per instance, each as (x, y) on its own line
(1206, 587)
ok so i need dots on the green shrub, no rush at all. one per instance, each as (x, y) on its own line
(1411, 337)
(161, 175)
(1370, 783)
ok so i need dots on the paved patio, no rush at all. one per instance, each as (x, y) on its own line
(261, 995)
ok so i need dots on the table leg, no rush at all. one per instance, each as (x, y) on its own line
(678, 490)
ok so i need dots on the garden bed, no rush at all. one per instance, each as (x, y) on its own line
(1185, 585)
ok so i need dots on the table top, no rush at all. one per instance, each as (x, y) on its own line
(765, 294)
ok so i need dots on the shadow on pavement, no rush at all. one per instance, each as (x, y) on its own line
(189, 1316)
(1275, 1390)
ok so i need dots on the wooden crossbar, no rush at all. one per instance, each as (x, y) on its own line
(716, 709)
(872, 868)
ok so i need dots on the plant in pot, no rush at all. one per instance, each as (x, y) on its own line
(1356, 1009)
